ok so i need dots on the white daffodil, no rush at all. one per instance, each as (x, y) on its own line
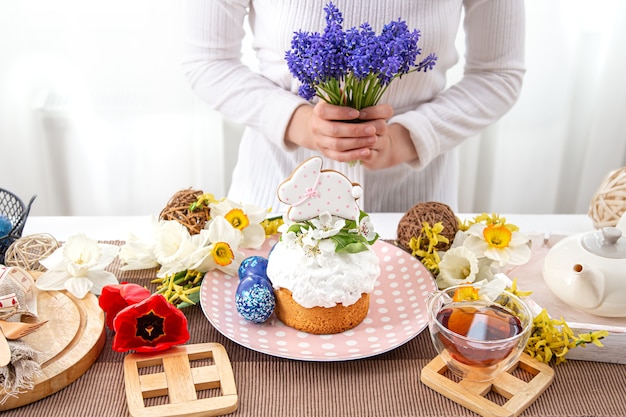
(246, 219)
(458, 265)
(326, 226)
(223, 252)
(499, 243)
(137, 253)
(175, 246)
(491, 289)
(78, 267)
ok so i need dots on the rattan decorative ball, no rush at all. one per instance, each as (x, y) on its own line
(27, 251)
(178, 209)
(432, 212)
(609, 203)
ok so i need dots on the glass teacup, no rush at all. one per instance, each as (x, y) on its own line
(477, 331)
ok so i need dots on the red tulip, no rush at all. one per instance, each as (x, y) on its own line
(114, 298)
(151, 325)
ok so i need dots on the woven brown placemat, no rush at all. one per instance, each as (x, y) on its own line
(384, 385)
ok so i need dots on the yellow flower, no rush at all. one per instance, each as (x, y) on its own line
(222, 254)
(237, 218)
(497, 242)
(271, 225)
(548, 341)
(592, 337)
(468, 293)
(497, 236)
(203, 200)
(245, 219)
(515, 291)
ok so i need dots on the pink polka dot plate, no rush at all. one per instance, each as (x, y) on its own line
(397, 313)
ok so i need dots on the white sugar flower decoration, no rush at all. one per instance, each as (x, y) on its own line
(367, 228)
(458, 265)
(78, 267)
(246, 219)
(326, 226)
(499, 243)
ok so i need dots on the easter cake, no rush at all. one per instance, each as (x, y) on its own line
(323, 269)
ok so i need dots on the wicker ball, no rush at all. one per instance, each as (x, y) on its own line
(609, 203)
(27, 251)
(432, 212)
(178, 209)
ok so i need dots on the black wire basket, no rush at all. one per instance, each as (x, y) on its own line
(15, 211)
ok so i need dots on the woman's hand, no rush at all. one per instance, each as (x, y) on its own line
(393, 142)
(332, 131)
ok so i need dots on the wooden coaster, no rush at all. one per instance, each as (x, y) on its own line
(178, 382)
(517, 393)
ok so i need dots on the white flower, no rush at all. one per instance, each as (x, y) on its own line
(458, 265)
(174, 246)
(491, 289)
(136, 254)
(223, 252)
(499, 243)
(78, 267)
(326, 226)
(246, 219)
(367, 228)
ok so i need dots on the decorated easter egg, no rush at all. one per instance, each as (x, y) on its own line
(255, 299)
(253, 265)
(5, 226)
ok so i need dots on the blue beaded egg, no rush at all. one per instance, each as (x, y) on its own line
(253, 265)
(255, 299)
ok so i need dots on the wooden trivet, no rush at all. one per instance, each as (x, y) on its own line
(180, 382)
(519, 394)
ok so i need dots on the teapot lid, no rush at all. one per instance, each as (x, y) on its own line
(607, 243)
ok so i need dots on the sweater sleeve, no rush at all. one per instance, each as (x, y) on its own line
(213, 34)
(492, 80)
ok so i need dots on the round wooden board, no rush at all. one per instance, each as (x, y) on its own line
(69, 343)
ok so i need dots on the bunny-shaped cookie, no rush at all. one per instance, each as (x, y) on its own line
(311, 190)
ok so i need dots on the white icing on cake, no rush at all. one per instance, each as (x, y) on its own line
(323, 279)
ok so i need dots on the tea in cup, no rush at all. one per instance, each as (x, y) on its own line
(478, 333)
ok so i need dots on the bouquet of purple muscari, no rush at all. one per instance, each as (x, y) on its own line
(354, 67)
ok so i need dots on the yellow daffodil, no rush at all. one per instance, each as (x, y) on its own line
(468, 293)
(499, 243)
(78, 267)
(223, 252)
(246, 219)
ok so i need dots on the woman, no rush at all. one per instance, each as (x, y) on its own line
(405, 144)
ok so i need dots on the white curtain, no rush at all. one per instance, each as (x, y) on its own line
(96, 117)
(568, 130)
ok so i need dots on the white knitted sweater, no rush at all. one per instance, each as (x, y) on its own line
(439, 119)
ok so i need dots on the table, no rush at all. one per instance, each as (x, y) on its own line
(383, 385)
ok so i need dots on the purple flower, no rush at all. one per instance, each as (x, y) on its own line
(353, 67)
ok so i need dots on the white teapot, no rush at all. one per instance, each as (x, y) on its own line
(588, 270)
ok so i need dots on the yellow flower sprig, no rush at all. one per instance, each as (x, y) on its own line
(516, 291)
(493, 219)
(271, 225)
(203, 201)
(551, 339)
(424, 246)
(181, 289)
